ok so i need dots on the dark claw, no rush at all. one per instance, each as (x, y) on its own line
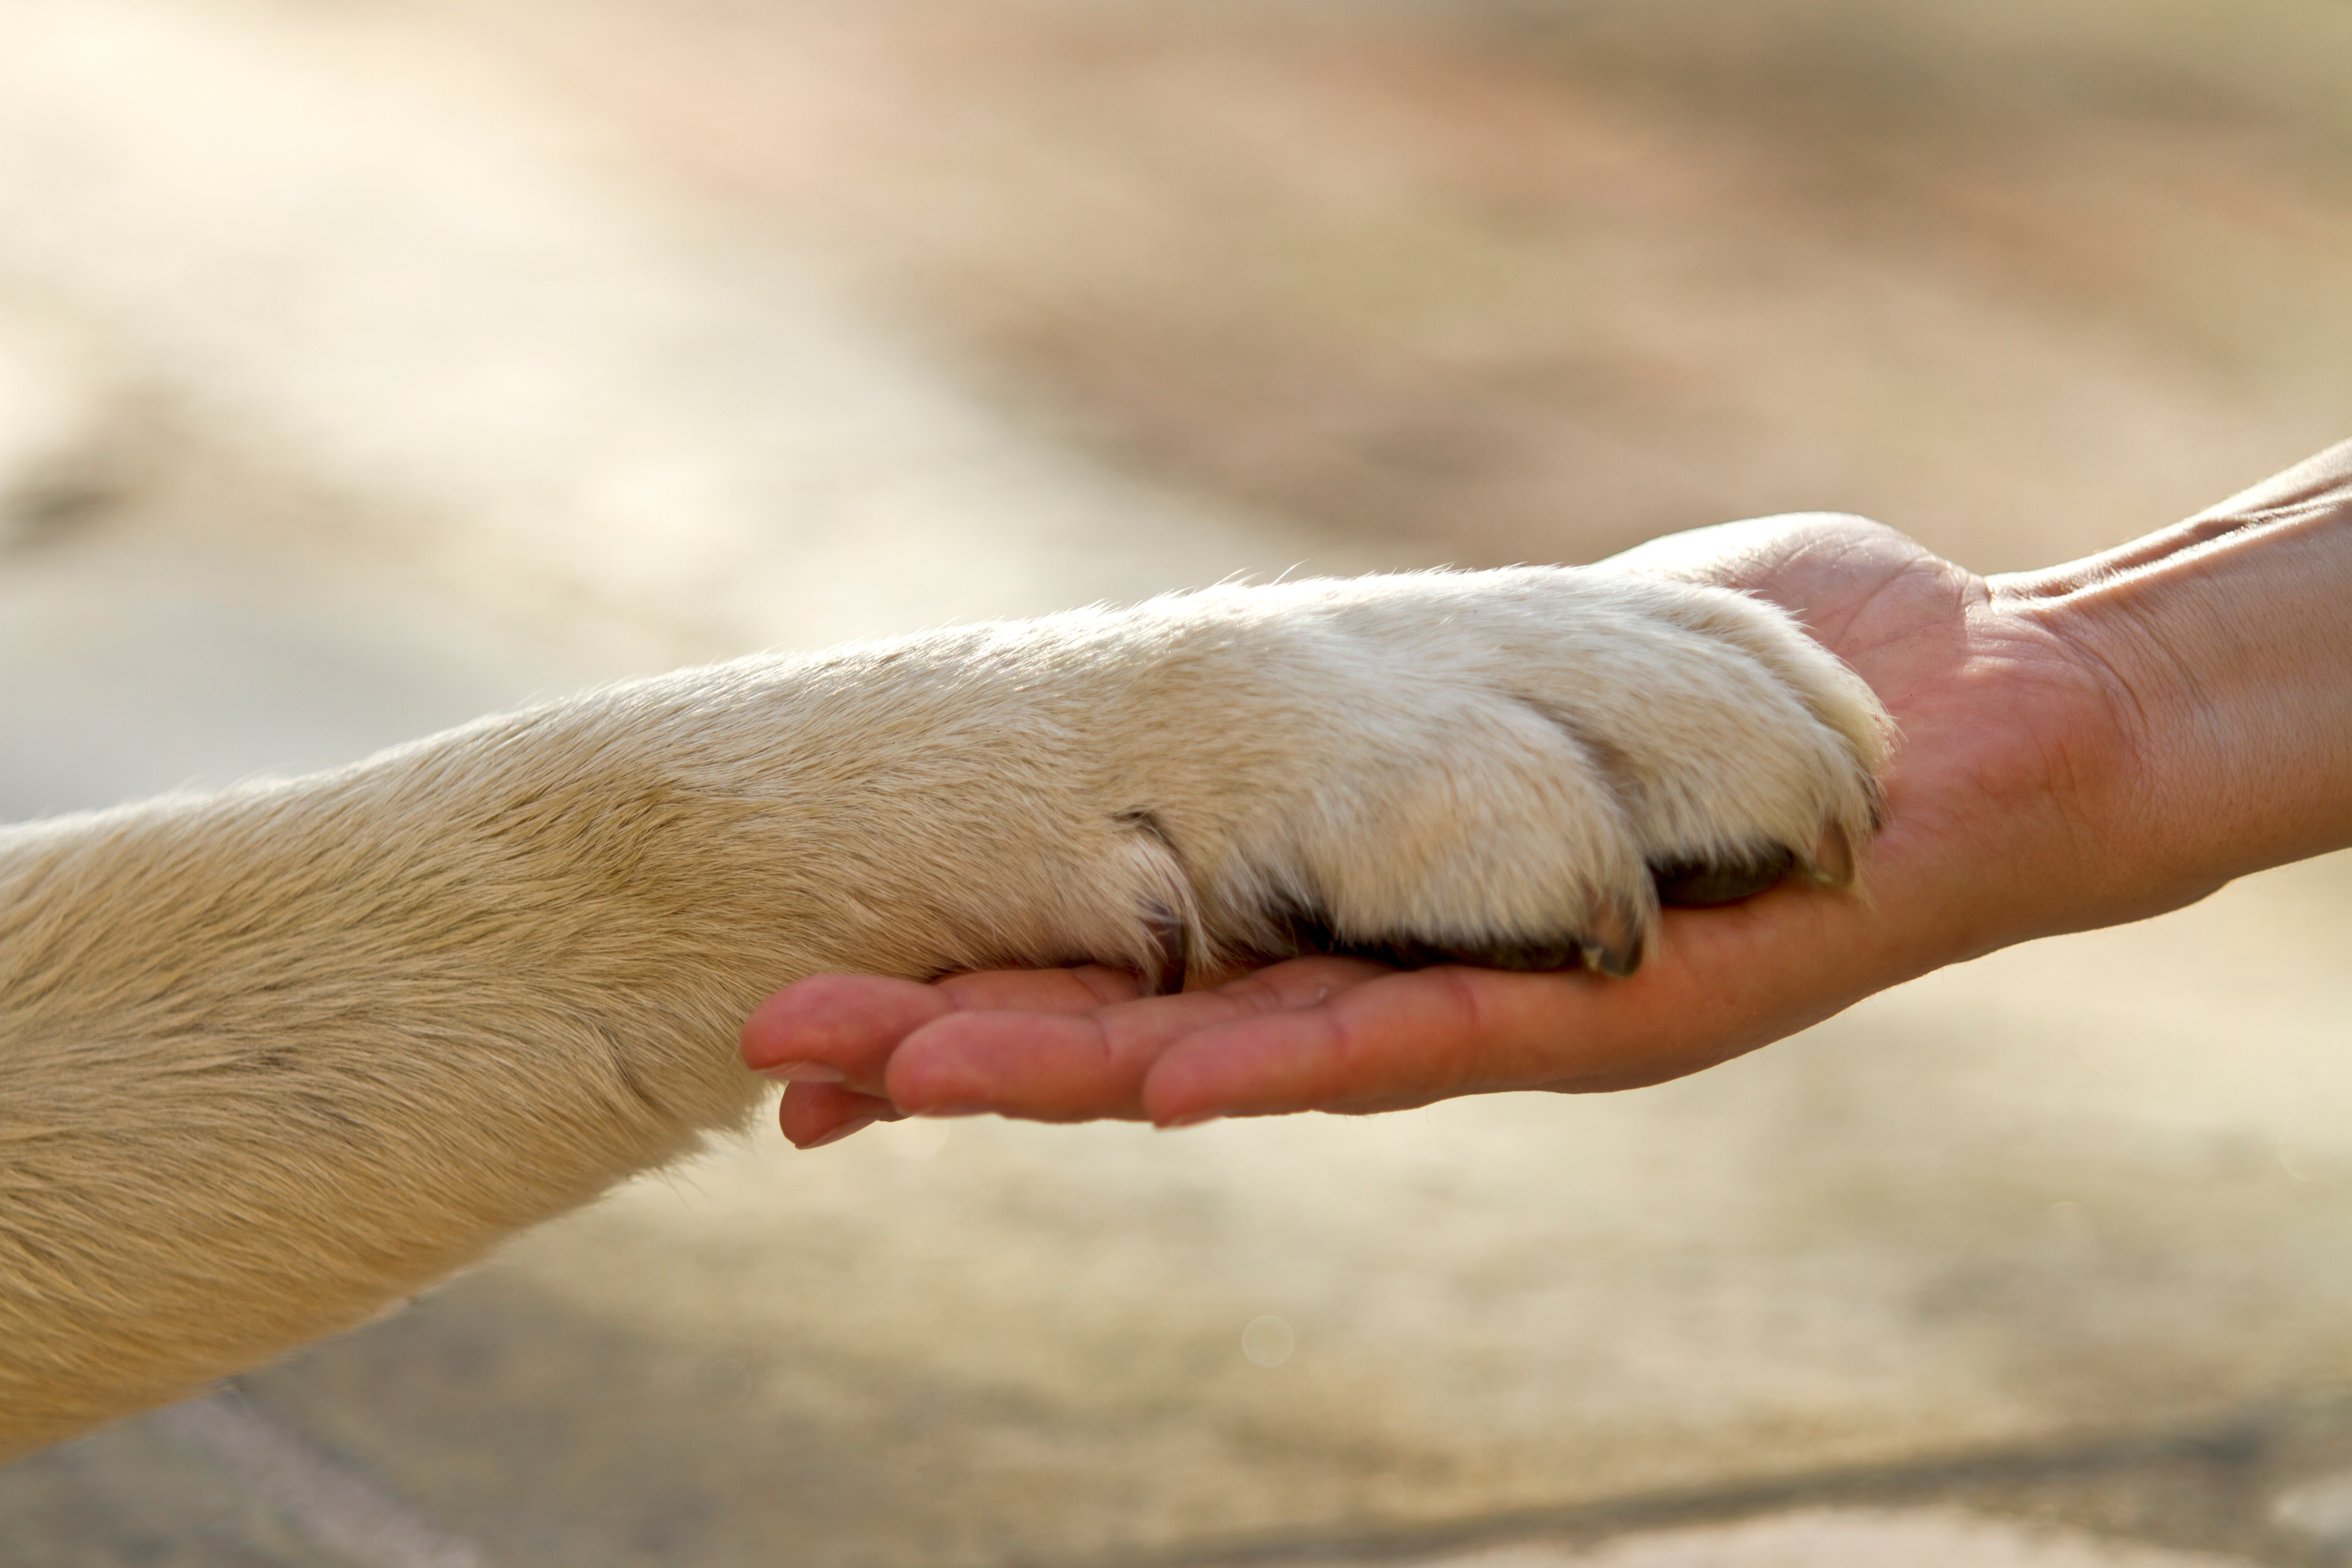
(1697, 883)
(1832, 862)
(1615, 946)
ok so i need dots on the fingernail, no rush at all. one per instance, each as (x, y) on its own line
(803, 1072)
(840, 1132)
(1193, 1120)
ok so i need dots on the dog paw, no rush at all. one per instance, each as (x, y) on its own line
(1505, 768)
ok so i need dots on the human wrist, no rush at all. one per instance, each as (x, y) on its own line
(2228, 660)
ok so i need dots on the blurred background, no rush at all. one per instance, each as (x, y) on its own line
(366, 366)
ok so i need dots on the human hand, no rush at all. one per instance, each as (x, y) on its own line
(2011, 739)
(2082, 746)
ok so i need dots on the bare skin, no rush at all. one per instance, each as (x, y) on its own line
(2082, 746)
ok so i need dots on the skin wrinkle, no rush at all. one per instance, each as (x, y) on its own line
(1471, 1017)
(2131, 768)
(1335, 1045)
(1096, 1032)
(2168, 620)
(1107, 985)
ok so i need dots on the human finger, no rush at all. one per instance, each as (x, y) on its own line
(1723, 981)
(1076, 1064)
(840, 1029)
(816, 1114)
(836, 1030)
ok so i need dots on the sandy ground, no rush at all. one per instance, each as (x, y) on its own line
(1511, 280)
(362, 369)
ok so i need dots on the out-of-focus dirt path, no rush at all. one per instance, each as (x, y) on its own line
(1515, 281)
(364, 366)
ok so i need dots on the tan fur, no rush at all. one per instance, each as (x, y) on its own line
(272, 1058)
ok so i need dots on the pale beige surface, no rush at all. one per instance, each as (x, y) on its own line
(2092, 1187)
(1510, 280)
(1846, 1538)
(525, 378)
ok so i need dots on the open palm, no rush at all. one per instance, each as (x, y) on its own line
(2010, 738)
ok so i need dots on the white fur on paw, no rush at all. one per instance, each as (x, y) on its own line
(1505, 767)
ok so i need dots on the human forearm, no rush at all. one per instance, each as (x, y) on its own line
(2227, 643)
